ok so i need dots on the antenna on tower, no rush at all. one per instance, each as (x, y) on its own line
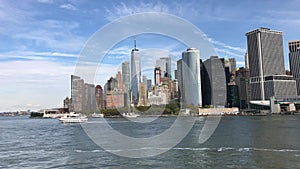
(134, 43)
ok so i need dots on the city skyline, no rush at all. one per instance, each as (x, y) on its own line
(39, 49)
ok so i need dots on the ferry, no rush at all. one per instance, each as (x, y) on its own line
(73, 117)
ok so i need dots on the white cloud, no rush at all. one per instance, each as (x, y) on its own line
(68, 6)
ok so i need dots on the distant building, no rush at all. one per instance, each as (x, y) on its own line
(233, 98)
(266, 63)
(135, 73)
(115, 97)
(90, 99)
(160, 95)
(149, 84)
(143, 100)
(165, 66)
(157, 76)
(294, 56)
(99, 97)
(242, 80)
(68, 104)
(213, 82)
(189, 77)
(126, 75)
(78, 93)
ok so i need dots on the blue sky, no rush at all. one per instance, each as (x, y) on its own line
(41, 39)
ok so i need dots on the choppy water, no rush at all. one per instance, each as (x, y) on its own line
(239, 142)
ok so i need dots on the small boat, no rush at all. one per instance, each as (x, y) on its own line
(130, 115)
(73, 117)
(97, 115)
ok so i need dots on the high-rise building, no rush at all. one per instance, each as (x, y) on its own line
(121, 85)
(78, 94)
(90, 99)
(242, 81)
(165, 66)
(179, 78)
(294, 56)
(126, 75)
(149, 84)
(135, 73)
(99, 97)
(157, 76)
(266, 63)
(213, 82)
(114, 96)
(190, 78)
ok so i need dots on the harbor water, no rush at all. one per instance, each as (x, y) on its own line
(238, 142)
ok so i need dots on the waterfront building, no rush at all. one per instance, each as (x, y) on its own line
(294, 57)
(266, 63)
(99, 97)
(115, 97)
(89, 99)
(190, 79)
(242, 80)
(213, 82)
(77, 93)
(135, 77)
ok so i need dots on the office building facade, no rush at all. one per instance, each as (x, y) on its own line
(266, 59)
(213, 82)
(294, 57)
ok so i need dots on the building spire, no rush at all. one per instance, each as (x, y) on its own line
(134, 43)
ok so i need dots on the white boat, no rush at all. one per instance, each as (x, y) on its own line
(97, 115)
(73, 117)
(130, 115)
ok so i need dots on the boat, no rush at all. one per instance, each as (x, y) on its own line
(130, 115)
(97, 115)
(73, 117)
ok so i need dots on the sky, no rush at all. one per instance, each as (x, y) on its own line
(41, 40)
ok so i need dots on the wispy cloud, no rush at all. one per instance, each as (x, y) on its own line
(69, 7)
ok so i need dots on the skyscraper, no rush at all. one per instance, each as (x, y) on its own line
(99, 97)
(135, 77)
(294, 56)
(266, 63)
(165, 66)
(214, 82)
(191, 79)
(126, 75)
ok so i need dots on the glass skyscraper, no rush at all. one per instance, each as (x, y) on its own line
(135, 77)
(190, 78)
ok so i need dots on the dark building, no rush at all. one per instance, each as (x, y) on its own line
(242, 78)
(294, 56)
(233, 95)
(213, 82)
